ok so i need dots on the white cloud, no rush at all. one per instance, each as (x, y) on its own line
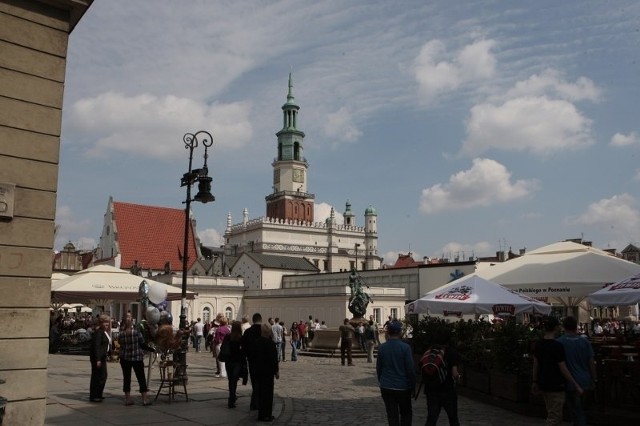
(617, 217)
(340, 126)
(550, 82)
(463, 252)
(620, 139)
(536, 115)
(485, 183)
(211, 237)
(530, 123)
(153, 126)
(435, 76)
(322, 211)
(69, 227)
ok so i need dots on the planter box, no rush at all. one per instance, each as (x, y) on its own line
(513, 387)
(477, 380)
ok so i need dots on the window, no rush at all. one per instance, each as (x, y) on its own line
(325, 265)
(394, 313)
(206, 314)
(228, 313)
(377, 314)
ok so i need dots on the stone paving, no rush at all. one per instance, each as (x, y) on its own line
(311, 391)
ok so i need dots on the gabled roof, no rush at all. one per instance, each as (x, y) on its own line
(152, 235)
(405, 261)
(282, 262)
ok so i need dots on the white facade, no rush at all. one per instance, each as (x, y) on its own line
(331, 247)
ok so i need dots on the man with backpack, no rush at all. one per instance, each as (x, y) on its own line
(439, 367)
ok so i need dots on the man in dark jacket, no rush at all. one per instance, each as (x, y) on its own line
(248, 347)
(98, 351)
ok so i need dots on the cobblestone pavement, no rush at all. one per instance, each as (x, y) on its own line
(321, 391)
(311, 391)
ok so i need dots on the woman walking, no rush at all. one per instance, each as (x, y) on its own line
(236, 363)
(295, 340)
(219, 336)
(131, 357)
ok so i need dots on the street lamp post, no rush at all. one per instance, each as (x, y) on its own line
(201, 176)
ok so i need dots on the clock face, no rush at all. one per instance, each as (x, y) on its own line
(298, 176)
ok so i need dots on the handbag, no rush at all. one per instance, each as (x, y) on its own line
(225, 350)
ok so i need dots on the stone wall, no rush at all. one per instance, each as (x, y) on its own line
(33, 50)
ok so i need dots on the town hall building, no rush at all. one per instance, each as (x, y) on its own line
(289, 227)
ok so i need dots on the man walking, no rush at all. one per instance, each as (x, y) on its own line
(396, 376)
(580, 363)
(346, 340)
(248, 347)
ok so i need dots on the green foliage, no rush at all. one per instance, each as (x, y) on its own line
(511, 347)
(426, 331)
(481, 345)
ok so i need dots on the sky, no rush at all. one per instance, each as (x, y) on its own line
(470, 126)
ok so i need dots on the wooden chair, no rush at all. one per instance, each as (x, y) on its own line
(172, 374)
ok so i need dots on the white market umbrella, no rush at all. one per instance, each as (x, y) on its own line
(475, 295)
(624, 292)
(566, 271)
(106, 283)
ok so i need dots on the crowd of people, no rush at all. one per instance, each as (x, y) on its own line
(243, 352)
(251, 352)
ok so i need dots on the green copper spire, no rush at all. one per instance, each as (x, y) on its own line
(290, 98)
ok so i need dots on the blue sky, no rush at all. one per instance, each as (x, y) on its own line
(471, 126)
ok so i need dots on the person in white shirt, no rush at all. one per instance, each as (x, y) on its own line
(245, 323)
(199, 330)
(597, 329)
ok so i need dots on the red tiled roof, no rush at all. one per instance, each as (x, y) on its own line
(405, 261)
(152, 236)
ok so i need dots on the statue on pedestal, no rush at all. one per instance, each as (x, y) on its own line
(359, 299)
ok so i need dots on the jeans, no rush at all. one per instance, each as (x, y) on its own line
(198, 340)
(398, 406)
(436, 401)
(575, 403)
(294, 350)
(278, 349)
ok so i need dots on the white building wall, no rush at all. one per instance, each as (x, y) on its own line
(310, 240)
